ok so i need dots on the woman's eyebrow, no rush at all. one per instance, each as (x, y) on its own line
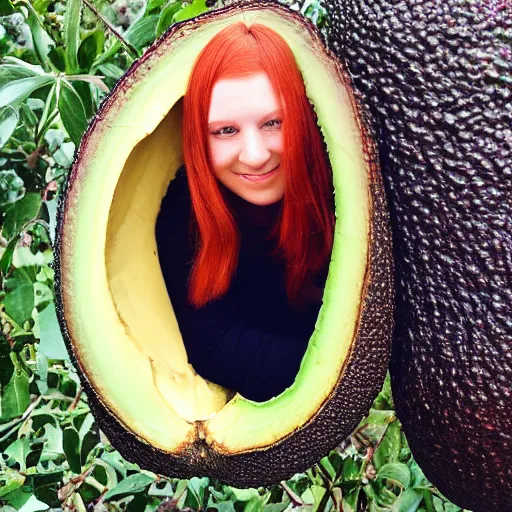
(275, 113)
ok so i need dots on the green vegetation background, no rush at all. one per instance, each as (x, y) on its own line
(59, 60)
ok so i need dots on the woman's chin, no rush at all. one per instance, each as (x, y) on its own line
(263, 199)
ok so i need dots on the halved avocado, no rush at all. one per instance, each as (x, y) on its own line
(115, 312)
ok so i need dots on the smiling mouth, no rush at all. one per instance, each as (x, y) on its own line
(260, 177)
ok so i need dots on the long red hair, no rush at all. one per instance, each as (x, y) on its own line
(305, 225)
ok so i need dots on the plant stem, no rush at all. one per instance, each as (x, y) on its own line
(93, 79)
(18, 421)
(296, 500)
(75, 401)
(128, 47)
(45, 126)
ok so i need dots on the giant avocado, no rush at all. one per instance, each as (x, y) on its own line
(438, 79)
(117, 318)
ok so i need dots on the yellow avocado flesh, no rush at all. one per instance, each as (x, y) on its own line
(119, 316)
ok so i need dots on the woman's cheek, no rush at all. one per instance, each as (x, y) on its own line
(223, 154)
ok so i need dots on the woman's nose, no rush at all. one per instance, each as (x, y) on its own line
(254, 152)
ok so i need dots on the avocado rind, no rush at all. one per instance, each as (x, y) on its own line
(359, 380)
(437, 80)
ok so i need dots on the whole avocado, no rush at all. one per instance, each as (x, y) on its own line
(169, 419)
(438, 79)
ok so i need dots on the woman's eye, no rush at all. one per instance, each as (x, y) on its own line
(273, 123)
(226, 130)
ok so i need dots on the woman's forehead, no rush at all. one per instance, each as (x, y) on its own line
(245, 96)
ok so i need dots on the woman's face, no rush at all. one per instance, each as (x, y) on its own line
(245, 138)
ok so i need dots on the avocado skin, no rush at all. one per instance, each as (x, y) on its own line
(360, 378)
(437, 77)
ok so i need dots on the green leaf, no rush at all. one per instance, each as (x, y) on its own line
(115, 460)
(6, 364)
(23, 257)
(224, 506)
(71, 446)
(17, 91)
(51, 206)
(83, 90)
(35, 104)
(395, 472)
(192, 10)
(58, 57)
(19, 451)
(443, 506)
(48, 110)
(389, 448)
(34, 505)
(42, 293)
(380, 417)
(89, 443)
(418, 478)
(19, 214)
(350, 500)
(318, 493)
(54, 138)
(72, 112)
(11, 187)
(165, 491)
(41, 371)
(13, 68)
(112, 50)
(131, 485)
(28, 118)
(155, 4)
(10, 72)
(10, 480)
(256, 504)
(244, 494)
(53, 447)
(351, 470)
(72, 15)
(18, 498)
(8, 122)
(42, 41)
(408, 501)
(143, 31)
(86, 426)
(51, 343)
(90, 48)
(166, 17)
(41, 6)
(111, 70)
(6, 8)
(275, 507)
(197, 487)
(64, 155)
(7, 257)
(19, 301)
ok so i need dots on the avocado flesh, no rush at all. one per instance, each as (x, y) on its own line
(118, 315)
(437, 77)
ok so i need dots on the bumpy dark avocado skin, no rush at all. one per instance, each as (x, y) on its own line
(438, 79)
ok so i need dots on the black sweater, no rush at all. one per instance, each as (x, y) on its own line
(250, 340)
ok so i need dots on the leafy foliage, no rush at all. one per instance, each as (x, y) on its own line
(59, 60)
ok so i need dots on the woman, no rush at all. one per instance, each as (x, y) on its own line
(245, 277)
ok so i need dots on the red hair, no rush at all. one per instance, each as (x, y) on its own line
(305, 226)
